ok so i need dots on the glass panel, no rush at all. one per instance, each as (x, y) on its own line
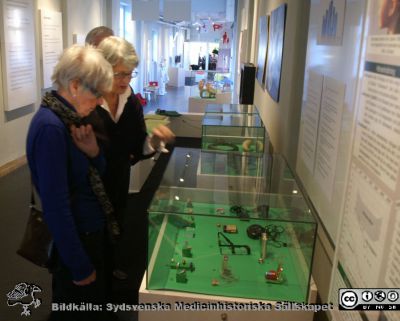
(230, 244)
(232, 237)
(231, 109)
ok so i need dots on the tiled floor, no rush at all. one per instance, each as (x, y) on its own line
(176, 98)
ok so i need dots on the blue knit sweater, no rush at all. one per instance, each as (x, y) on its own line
(59, 172)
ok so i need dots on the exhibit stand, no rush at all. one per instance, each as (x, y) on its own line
(176, 77)
(198, 104)
(228, 225)
(207, 245)
(180, 300)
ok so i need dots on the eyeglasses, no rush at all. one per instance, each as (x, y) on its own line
(93, 91)
(123, 75)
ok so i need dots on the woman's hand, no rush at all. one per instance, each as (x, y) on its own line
(91, 278)
(161, 133)
(85, 139)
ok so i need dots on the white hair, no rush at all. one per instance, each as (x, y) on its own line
(85, 64)
(118, 50)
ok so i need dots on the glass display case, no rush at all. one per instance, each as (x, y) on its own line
(230, 243)
(231, 171)
(272, 173)
(237, 133)
(198, 100)
(190, 167)
(220, 79)
(231, 109)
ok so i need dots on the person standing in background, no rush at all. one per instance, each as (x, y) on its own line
(66, 163)
(163, 77)
(96, 35)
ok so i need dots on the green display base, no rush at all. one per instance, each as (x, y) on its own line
(246, 275)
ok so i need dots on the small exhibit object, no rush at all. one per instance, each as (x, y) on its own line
(189, 203)
(254, 231)
(263, 253)
(230, 228)
(220, 211)
(182, 265)
(181, 276)
(226, 272)
(273, 276)
(187, 250)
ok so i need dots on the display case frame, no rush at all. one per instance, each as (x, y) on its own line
(231, 109)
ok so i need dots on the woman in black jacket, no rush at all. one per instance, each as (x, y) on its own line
(120, 127)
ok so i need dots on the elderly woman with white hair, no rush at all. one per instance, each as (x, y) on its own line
(66, 166)
(120, 122)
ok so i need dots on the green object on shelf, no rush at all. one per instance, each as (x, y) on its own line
(182, 265)
(187, 251)
(153, 121)
(181, 276)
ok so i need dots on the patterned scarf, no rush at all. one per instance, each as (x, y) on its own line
(70, 117)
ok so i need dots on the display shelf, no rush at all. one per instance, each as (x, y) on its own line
(231, 109)
(199, 242)
(237, 133)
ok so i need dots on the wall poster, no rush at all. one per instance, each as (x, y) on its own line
(262, 49)
(331, 15)
(312, 107)
(329, 126)
(18, 53)
(369, 239)
(52, 45)
(275, 51)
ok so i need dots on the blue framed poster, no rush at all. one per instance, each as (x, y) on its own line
(275, 51)
(262, 49)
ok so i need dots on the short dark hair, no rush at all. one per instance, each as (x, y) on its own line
(96, 35)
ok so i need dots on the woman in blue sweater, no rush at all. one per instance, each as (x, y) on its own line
(66, 164)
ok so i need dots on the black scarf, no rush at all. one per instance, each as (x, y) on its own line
(70, 117)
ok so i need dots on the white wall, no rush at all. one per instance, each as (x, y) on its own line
(14, 125)
(81, 16)
(282, 119)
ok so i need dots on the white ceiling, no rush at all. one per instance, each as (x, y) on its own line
(202, 10)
